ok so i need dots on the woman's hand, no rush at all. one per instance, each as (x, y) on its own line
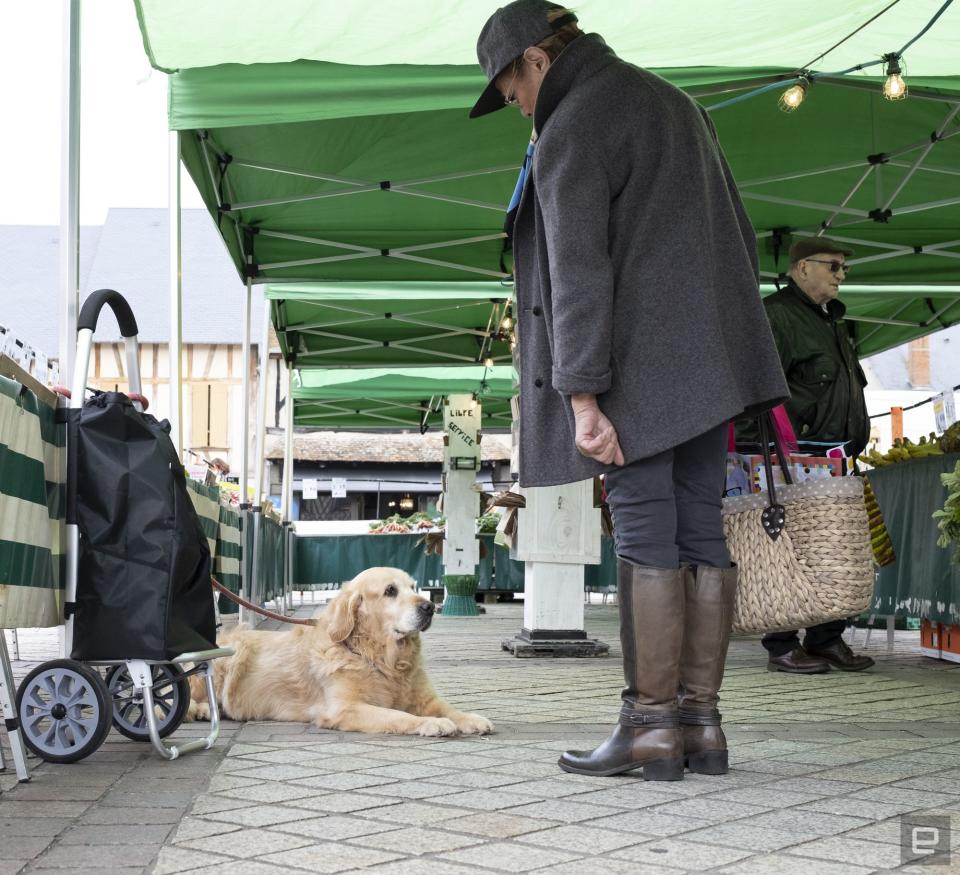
(596, 437)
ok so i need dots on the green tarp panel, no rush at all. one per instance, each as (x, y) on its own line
(271, 558)
(398, 398)
(323, 562)
(344, 153)
(32, 476)
(354, 324)
(923, 582)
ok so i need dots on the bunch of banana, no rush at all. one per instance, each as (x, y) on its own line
(904, 449)
(950, 439)
(880, 542)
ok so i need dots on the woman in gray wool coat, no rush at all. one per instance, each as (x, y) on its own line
(641, 334)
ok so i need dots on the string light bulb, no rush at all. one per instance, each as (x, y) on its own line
(473, 401)
(791, 99)
(894, 88)
(488, 362)
(507, 323)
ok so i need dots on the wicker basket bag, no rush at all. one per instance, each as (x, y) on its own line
(803, 551)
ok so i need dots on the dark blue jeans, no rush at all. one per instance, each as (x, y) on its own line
(666, 508)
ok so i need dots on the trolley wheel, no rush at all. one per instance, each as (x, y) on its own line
(64, 708)
(171, 698)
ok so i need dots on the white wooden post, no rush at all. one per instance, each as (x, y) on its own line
(558, 532)
(461, 504)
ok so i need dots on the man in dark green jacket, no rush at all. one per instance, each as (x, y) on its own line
(826, 405)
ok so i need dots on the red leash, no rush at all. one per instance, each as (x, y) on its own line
(257, 610)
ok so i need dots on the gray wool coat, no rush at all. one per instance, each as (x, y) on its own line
(636, 270)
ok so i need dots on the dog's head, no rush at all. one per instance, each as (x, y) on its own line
(383, 598)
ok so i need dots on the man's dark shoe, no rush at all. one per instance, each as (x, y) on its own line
(840, 656)
(798, 661)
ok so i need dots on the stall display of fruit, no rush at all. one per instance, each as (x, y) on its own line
(948, 519)
(904, 449)
(950, 439)
(400, 525)
(880, 543)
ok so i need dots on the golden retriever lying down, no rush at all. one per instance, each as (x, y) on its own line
(358, 668)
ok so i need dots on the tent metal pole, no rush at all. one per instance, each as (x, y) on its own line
(877, 244)
(174, 349)
(300, 199)
(245, 382)
(304, 262)
(856, 187)
(286, 501)
(896, 313)
(927, 168)
(877, 321)
(287, 489)
(295, 171)
(498, 274)
(464, 202)
(789, 202)
(69, 248)
(931, 205)
(262, 380)
(921, 157)
(300, 238)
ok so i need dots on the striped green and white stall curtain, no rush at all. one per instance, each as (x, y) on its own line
(271, 558)
(206, 502)
(32, 507)
(226, 562)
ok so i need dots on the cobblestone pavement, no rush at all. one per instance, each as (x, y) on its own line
(825, 768)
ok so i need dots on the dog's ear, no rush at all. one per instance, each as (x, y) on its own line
(343, 616)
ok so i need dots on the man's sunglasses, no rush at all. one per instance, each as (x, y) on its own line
(835, 266)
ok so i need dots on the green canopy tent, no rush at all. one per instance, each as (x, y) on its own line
(334, 146)
(344, 325)
(398, 398)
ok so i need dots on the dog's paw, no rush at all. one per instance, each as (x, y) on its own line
(197, 711)
(437, 726)
(473, 724)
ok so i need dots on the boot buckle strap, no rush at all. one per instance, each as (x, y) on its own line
(699, 718)
(629, 717)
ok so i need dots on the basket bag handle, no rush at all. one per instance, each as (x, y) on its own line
(774, 515)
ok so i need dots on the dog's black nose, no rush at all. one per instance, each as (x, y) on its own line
(427, 608)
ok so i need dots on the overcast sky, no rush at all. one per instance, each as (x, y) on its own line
(123, 128)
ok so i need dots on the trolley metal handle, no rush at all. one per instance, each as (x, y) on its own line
(90, 312)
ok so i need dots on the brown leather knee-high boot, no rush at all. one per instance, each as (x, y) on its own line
(651, 632)
(710, 593)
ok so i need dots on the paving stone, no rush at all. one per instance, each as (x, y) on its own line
(272, 792)
(209, 804)
(33, 826)
(343, 781)
(606, 866)
(263, 815)
(58, 792)
(843, 849)
(173, 860)
(247, 843)
(563, 810)
(648, 825)
(201, 827)
(418, 866)
(101, 858)
(681, 854)
(115, 815)
(416, 840)
(889, 831)
(768, 798)
(486, 800)
(407, 771)
(844, 805)
(329, 858)
(744, 836)
(709, 808)
(23, 847)
(334, 827)
(502, 826)
(11, 867)
(479, 780)
(764, 864)
(241, 867)
(344, 803)
(573, 837)
(509, 856)
(807, 822)
(122, 834)
(415, 813)
(11, 808)
(278, 772)
(415, 789)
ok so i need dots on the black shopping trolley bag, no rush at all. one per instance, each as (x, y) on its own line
(143, 581)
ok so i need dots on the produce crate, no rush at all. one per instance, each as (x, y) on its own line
(950, 642)
(930, 638)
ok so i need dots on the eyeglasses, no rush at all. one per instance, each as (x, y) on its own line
(835, 266)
